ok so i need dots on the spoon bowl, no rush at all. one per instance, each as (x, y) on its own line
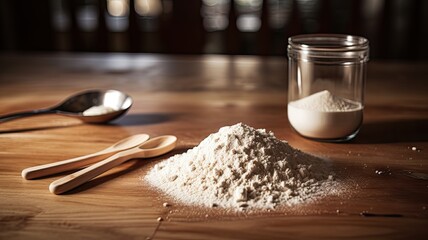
(110, 105)
(156, 146)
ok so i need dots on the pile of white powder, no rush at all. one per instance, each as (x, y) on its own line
(324, 101)
(241, 167)
(325, 116)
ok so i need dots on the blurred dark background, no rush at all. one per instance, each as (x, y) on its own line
(397, 29)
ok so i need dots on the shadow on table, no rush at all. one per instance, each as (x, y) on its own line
(144, 119)
(118, 171)
(127, 120)
(37, 128)
(405, 130)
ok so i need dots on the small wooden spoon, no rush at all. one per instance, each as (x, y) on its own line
(152, 148)
(79, 162)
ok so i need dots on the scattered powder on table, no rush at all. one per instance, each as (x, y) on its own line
(240, 167)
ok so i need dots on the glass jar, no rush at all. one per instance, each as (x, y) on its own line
(326, 76)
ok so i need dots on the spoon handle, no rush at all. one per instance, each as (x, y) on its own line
(13, 116)
(78, 178)
(65, 165)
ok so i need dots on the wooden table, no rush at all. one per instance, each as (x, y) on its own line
(191, 97)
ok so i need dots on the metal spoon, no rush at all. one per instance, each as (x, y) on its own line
(152, 148)
(79, 162)
(75, 106)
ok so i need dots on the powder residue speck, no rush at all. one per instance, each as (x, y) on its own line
(240, 167)
(165, 204)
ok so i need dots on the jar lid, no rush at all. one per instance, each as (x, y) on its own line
(329, 48)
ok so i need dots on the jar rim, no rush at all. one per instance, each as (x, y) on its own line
(328, 42)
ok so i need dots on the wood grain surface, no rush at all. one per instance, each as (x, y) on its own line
(386, 181)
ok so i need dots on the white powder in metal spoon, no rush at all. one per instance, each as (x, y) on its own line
(98, 110)
(241, 167)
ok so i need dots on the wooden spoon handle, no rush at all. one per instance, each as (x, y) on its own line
(76, 179)
(65, 165)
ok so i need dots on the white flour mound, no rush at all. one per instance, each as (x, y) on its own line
(241, 167)
(324, 101)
